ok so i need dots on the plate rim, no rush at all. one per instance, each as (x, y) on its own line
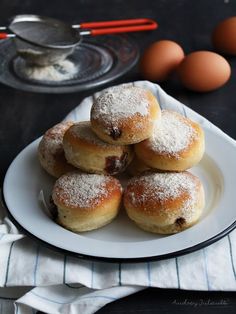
(120, 260)
(157, 257)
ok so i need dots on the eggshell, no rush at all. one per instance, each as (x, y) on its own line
(224, 36)
(160, 59)
(204, 71)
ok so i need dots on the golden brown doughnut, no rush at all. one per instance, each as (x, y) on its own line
(164, 202)
(50, 150)
(176, 144)
(124, 114)
(86, 201)
(85, 150)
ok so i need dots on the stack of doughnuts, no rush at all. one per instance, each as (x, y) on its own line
(163, 197)
(127, 132)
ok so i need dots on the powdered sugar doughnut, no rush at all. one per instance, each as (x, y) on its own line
(124, 114)
(50, 150)
(85, 150)
(176, 144)
(164, 202)
(86, 201)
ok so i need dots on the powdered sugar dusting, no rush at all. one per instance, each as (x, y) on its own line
(165, 186)
(83, 190)
(121, 102)
(51, 143)
(83, 131)
(172, 134)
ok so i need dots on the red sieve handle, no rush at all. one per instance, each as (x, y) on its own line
(3, 35)
(119, 26)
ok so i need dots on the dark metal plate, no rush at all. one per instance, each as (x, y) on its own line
(98, 62)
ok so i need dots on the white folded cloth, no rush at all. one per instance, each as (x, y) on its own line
(42, 279)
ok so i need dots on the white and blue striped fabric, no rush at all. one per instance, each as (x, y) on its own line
(33, 277)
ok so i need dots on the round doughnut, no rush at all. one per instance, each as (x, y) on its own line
(176, 144)
(124, 114)
(86, 201)
(137, 166)
(164, 203)
(50, 150)
(85, 150)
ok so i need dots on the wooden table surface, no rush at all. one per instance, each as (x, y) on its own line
(25, 116)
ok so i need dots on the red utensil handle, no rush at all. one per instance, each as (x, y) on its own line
(3, 35)
(120, 26)
(126, 29)
(128, 22)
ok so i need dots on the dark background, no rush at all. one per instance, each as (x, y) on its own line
(25, 116)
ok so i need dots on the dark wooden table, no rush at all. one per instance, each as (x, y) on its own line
(25, 116)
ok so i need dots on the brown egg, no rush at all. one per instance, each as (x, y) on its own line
(160, 59)
(204, 71)
(224, 36)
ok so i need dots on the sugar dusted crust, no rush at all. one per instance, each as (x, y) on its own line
(173, 135)
(151, 190)
(82, 191)
(117, 119)
(86, 201)
(164, 202)
(120, 102)
(50, 150)
(177, 144)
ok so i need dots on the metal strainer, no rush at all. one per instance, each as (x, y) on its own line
(45, 41)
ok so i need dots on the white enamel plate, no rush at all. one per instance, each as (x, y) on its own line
(122, 240)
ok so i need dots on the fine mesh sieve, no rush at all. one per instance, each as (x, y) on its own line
(44, 41)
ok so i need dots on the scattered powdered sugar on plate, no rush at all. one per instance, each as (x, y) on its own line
(79, 189)
(166, 186)
(121, 102)
(83, 130)
(172, 134)
(60, 71)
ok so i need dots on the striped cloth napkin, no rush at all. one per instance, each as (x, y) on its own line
(34, 277)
